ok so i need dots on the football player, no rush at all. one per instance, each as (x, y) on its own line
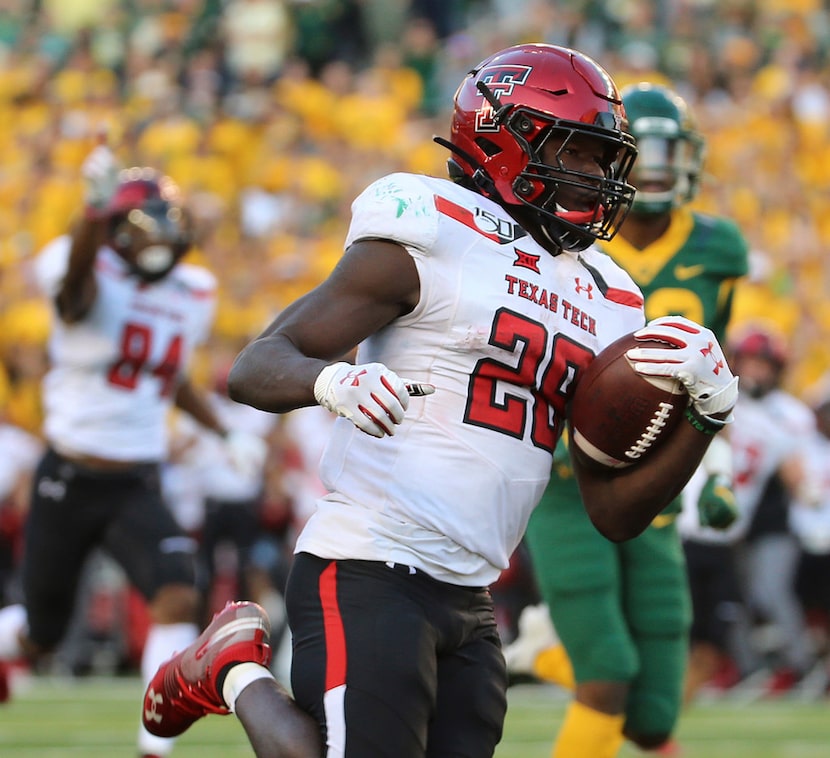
(771, 472)
(628, 672)
(128, 316)
(467, 301)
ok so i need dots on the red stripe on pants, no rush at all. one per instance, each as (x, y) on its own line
(333, 625)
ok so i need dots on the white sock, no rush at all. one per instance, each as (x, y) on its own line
(13, 621)
(149, 744)
(163, 642)
(239, 677)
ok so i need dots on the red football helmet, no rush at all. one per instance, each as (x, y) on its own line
(148, 225)
(506, 110)
(761, 343)
(764, 345)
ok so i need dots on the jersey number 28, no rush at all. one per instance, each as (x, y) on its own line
(527, 341)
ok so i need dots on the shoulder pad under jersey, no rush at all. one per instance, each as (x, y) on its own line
(398, 207)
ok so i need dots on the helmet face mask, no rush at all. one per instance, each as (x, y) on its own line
(149, 228)
(511, 110)
(671, 151)
(575, 206)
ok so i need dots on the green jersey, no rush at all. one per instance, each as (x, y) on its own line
(690, 271)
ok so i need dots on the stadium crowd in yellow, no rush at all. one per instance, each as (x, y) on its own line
(270, 162)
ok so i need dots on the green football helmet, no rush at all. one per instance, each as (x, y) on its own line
(670, 162)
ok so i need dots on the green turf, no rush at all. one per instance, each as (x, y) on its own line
(97, 718)
(719, 729)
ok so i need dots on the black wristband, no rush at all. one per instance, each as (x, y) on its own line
(710, 426)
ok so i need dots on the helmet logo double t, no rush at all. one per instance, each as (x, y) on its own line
(501, 81)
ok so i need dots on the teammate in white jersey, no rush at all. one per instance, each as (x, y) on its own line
(474, 304)
(128, 316)
(745, 571)
(770, 472)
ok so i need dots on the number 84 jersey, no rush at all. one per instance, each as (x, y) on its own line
(501, 329)
(113, 374)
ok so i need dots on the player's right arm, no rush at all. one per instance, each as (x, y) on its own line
(297, 360)
(375, 282)
(78, 289)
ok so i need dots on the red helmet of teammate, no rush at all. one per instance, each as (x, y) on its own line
(149, 227)
(761, 343)
(769, 356)
(507, 109)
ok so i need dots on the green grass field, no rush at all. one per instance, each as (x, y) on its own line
(97, 718)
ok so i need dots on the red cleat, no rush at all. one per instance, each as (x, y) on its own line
(726, 677)
(781, 682)
(188, 686)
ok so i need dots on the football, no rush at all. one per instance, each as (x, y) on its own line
(618, 417)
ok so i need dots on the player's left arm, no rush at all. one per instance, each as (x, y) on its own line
(247, 452)
(194, 402)
(622, 502)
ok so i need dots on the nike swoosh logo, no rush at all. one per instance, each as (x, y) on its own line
(682, 272)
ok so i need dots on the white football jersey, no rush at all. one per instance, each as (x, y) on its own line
(810, 512)
(765, 433)
(500, 329)
(113, 374)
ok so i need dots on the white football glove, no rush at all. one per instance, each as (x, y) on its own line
(696, 360)
(100, 172)
(246, 452)
(371, 396)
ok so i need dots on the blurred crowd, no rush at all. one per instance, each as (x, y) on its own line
(273, 114)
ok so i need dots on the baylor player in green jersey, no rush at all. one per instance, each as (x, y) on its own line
(622, 610)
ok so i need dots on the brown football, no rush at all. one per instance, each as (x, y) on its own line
(618, 417)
